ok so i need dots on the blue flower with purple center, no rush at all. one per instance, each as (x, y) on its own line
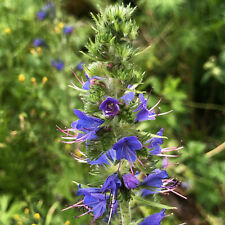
(110, 107)
(58, 64)
(68, 29)
(126, 148)
(130, 181)
(154, 219)
(46, 11)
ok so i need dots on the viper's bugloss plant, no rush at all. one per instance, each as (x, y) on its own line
(124, 157)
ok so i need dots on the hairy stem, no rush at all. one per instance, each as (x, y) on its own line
(125, 213)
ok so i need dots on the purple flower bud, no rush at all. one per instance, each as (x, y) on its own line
(68, 29)
(110, 106)
(130, 181)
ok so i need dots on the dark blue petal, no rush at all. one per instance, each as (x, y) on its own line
(86, 85)
(128, 97)
(100, 161)
(126, 148)
(154, 219)
(155, 179)
(112, 183)
(156, 150)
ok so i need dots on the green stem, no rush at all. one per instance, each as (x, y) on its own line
(125, 213)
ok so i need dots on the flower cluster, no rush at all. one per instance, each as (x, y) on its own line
(110, 141)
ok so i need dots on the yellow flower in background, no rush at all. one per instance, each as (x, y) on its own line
(33, 224)
(57, 30)
(19, 223)
(37, 216)
(7, 30)
(33, 80)
(16, 217)
(26, 211)
(21, 77)
(39, 49)
(44, 80)
(67, 222)
(32, 51)
(61, 25)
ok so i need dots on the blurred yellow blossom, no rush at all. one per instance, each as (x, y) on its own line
(37, 216)
(61, 25)
(33, 80)
(7, 30)
(19, 223)
(33, 224)
(26, 211)
(39, 49)
(44, 80)
(16, 217)
(21, 77)
(32, 51)
(67, 222)
(57, 30)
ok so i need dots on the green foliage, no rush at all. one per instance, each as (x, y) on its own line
(32, 101)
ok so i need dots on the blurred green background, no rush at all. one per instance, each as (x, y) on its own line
(185, 64)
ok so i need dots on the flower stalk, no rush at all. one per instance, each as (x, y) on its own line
(107, 131)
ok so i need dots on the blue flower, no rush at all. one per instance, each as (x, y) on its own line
(94, 200)
(144, 113)
(130, 181)
(39, 42)
(58, 64)
(68, 29)
(128, 97)
(110, 106)
(126, 148)
(88, 124)
(112, 184)
(154, 219)
(155, 143)
(46, 11)
(106, 158)
(154, 181)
